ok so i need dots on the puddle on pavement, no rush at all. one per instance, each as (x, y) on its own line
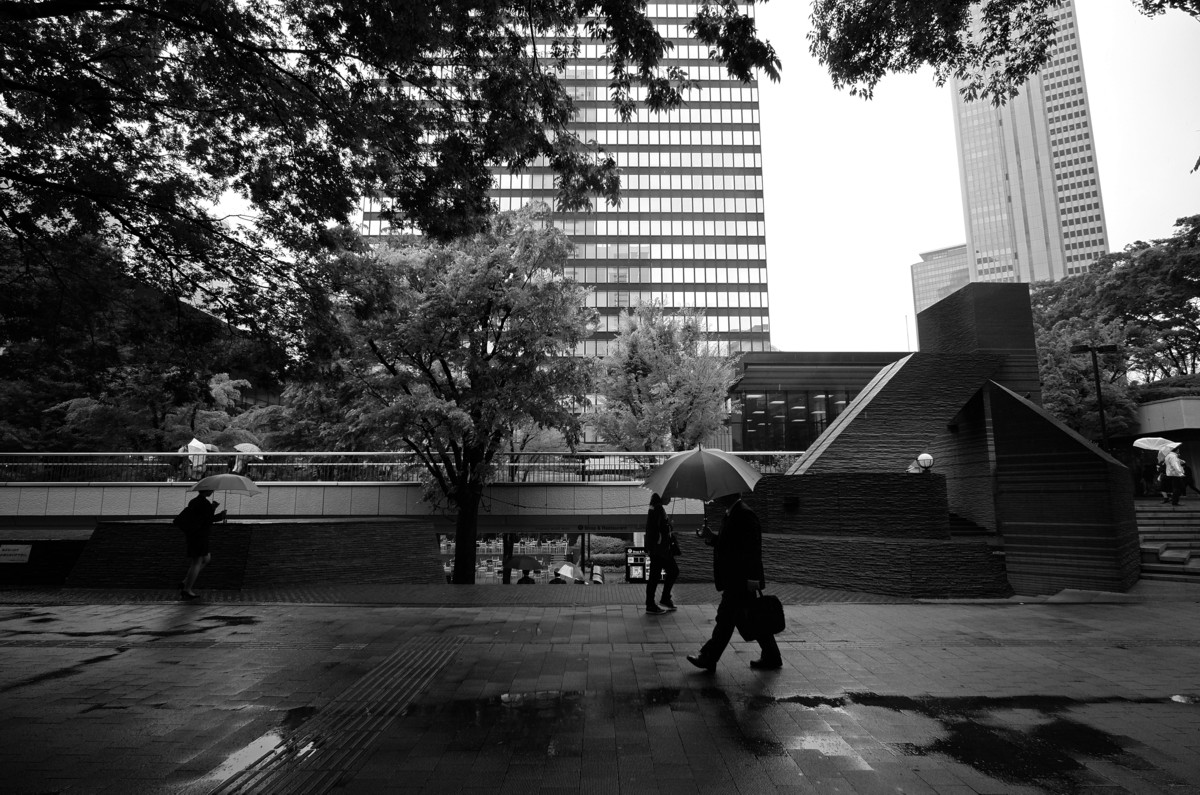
(278, 741)
(1021, 740)
(1029, 741)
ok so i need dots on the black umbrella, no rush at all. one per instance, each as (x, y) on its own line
(523, 563)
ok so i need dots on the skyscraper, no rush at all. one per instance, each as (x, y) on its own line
(690, 230)
(1032, 204)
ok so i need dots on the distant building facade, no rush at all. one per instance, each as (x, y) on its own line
(1032, 204)
(690, 229)
(784, 400)
(939, 273)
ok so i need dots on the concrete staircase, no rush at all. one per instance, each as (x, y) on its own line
(1169, 536)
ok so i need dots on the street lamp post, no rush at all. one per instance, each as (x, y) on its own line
(1095, 349)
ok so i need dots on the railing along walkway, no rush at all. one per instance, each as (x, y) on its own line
(542, 467)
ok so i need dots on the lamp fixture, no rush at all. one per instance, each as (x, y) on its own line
(925, 462)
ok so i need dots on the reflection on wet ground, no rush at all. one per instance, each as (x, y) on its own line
(1037, 743)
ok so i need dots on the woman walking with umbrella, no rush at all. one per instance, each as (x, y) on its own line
(196, 521)
(660, 548)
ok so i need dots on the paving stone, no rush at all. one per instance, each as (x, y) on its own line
(875, 695)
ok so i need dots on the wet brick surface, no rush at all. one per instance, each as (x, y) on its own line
(125, 695)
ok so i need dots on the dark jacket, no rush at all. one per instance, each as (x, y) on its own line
(737, 553)
(658, 532)
(197, 517)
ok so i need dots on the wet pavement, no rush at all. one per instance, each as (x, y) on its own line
(490, 691)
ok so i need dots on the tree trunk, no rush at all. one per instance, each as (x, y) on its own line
(466, 529)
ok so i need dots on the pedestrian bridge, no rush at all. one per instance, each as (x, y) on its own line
(545, 492)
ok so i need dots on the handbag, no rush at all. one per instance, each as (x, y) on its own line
(763, 615)
(768, 614)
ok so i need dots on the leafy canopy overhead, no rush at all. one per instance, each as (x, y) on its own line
(132, 120)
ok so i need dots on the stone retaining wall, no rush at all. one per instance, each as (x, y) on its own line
(248, 554)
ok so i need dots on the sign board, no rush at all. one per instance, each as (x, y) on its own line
(15, 553)
(635, 564)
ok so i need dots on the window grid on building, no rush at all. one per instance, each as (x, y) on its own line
(1031, 191)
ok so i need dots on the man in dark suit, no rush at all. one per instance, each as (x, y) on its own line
(738, 575)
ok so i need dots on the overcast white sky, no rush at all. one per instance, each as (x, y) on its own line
(856, 190)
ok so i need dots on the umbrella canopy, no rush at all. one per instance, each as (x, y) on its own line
(572, 571)
(227, 482)
(1155, 443)
(247, 447)
(523, 563)
(701, 474)
(195, 446)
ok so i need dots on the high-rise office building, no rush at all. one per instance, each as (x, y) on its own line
(690, 230)
(1032, 204)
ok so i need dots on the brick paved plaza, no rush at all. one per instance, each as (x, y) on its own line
(506, 689)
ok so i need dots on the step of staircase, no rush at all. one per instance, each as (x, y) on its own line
(1169, 540)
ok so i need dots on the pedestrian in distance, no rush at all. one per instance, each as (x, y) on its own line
(1175, 474)
(738, 575)
(661, 548)
(196, 521)
(526, 579)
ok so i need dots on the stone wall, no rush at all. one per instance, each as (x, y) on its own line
(1066, 508)
(249, 554)
(50, 561)
(885, 533)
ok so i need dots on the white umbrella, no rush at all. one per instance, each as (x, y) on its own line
(1155, 443)
(196, 446)
(701, 474)
(240, 462)
(571, 570)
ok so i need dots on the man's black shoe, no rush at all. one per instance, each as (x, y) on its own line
(667, 604)
(766, 665)
(654, 609)
(700, 662)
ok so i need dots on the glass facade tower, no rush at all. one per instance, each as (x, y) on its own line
(1030, 187)
(689, 232)
(938, 274)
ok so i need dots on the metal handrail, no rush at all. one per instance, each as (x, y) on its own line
(325, 466)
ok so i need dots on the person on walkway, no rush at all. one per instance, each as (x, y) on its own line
(526, 579)
(196, 521)
(1175, 474)
(738, 575)
(660, 555)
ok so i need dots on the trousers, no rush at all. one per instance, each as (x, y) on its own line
(664, 569)
(731, 609)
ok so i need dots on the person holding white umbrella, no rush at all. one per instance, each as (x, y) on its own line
(1174, 473)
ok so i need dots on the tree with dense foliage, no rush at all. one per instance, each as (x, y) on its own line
(443, 349)
(1154, 290)
(861, 42)
(91, 359)
(662, 388)
(1145, 300)
(132, 121)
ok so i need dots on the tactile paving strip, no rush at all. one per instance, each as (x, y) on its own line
(333, 743)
